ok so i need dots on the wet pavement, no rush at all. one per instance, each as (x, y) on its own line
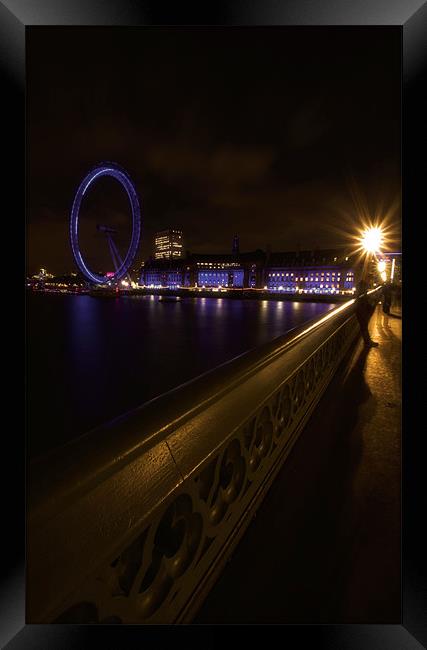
(324, 546)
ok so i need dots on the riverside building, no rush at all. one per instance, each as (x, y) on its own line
(315, 272)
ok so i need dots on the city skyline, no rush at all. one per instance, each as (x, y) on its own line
(273, 142)
(351, 249)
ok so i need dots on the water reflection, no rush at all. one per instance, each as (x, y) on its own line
(85, 334)
(91, 359)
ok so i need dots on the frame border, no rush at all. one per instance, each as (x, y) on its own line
(18, 15)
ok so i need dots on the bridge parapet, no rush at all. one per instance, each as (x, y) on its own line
(134, 521)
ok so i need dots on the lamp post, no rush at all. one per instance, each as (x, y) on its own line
(381, 266)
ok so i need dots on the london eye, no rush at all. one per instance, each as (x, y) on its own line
(121, 265)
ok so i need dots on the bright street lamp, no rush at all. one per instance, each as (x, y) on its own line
(371, 240)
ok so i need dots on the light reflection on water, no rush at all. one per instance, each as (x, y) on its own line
(91, 359)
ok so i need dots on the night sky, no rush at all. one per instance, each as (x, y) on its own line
(276, 134)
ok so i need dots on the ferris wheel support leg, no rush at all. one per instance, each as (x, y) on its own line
(115, 252)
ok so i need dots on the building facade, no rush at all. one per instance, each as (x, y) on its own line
(168, 245)
(305, 272)
(312, 272)
(222, 271)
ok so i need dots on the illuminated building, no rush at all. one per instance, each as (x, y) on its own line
(233, 271)
(161, 274)
(42, 275)
(168, 245)
(306, 272)
(310, 272)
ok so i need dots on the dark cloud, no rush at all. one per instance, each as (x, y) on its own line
(254, 131)
(307, 126)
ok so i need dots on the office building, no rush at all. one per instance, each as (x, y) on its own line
(168, 245)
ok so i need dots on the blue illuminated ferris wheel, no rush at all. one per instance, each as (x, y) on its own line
(121, 265)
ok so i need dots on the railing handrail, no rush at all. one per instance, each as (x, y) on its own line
(91, 455)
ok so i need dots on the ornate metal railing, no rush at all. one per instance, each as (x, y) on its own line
(133, 522)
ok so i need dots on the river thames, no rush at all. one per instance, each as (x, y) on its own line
(92, 359)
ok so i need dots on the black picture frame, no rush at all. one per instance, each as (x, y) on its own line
(16, 16)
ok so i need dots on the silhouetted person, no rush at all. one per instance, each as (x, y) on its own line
(387, 297)
(386, 301)
(363, 313)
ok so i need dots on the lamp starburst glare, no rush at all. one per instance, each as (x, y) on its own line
(371, 240)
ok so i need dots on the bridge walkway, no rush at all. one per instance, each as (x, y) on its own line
(324, 546)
